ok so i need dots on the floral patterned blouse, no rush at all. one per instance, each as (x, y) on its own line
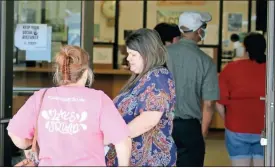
(155, 91)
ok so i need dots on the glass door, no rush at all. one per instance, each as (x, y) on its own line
(31, 33)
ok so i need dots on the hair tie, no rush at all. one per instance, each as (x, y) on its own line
(66, 68)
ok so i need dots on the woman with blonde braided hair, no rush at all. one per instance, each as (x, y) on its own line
(70, 121)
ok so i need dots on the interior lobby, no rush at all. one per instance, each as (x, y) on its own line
(100, 27)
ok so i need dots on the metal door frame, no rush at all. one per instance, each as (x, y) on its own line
(1, 69)
(6, 61)
(268, 139)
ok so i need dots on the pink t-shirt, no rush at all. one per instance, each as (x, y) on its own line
(71, 125)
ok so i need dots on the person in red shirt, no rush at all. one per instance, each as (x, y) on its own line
(242, 83)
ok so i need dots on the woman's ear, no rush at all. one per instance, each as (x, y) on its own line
(175, 40)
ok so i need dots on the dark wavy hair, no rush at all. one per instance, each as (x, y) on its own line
(255, 45)
(167, 31)
(234, 37)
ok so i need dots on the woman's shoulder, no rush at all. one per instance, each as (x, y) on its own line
(161, 72)
(160, 76)
(88, 91)
(40, 92)
(237, 63)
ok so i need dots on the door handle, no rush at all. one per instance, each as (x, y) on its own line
(262, 98)
(4, 121)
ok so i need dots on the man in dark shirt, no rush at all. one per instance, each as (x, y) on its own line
(196, 82)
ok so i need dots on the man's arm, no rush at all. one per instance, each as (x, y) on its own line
(221, 110)
(207, 114)
(210, 93)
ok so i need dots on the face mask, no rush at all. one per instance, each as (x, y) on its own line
(203, 36)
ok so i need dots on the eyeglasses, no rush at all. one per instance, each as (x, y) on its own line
(203, 26)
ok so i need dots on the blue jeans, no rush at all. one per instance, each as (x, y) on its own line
(243, 145)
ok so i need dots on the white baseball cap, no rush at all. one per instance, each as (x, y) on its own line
(193, 20)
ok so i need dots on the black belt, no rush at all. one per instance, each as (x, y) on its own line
(179, 118)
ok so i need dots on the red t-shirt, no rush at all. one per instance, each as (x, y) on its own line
(242, 83)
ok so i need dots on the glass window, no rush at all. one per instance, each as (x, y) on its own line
(130, 18)
(104, 31)
(63, 18)
(32, 68)
(169, 11)
(235, 18)
(253, 16)
(69, 11)
(104, 21)
(235, 21)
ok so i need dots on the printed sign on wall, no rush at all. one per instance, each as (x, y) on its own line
(235, 22)
(31, 36)
(103, 55)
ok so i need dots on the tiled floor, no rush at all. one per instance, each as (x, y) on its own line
(216, 154)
